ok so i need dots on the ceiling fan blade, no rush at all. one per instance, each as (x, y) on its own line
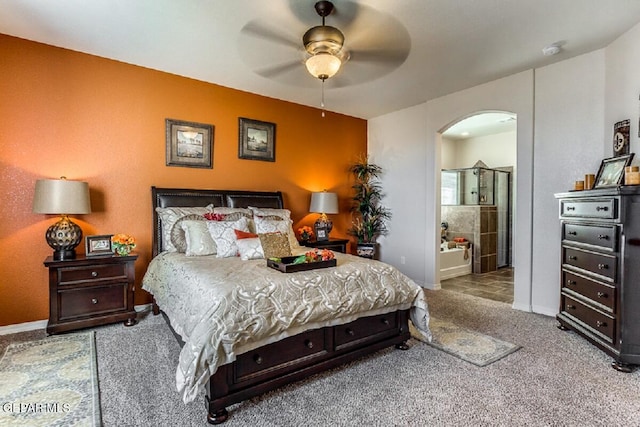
(382, 56)
(275, 35)
(278, 69)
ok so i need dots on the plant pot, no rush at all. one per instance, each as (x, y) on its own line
(367, 250)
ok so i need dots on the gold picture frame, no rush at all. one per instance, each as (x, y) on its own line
(256, 140)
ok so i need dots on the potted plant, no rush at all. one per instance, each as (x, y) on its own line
(369, 216)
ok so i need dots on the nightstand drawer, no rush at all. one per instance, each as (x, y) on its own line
(90, 301)
(596, 263)
(94, 272)
(365, 329)
(599, 293)
(595, 235)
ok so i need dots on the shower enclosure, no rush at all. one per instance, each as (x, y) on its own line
(483, 187)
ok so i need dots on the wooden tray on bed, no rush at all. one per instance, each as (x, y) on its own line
(286, 264)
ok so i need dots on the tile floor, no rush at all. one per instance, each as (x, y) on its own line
(497, 286)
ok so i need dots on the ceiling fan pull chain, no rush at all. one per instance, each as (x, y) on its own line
(322, 101)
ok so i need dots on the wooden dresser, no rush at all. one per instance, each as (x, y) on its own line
(86, 292)
(600, 279)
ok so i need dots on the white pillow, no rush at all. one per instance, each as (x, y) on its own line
(242, 211)
(224, 236)
(250, 248)
(282, 213)
(285, 226)
(198, 239)
(169, 216)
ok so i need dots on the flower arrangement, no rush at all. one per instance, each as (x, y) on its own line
(306, 232)
(123, 244)
(314, 256)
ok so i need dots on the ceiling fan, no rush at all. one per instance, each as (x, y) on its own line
(361, 45)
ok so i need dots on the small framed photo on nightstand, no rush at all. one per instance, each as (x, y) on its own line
(98, 245)
(322, 232)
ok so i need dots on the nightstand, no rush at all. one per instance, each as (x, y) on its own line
(90, 291)
(339, 245)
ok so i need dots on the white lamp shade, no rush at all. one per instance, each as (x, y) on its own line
(324, 202)
(323, 65)
(61, 196)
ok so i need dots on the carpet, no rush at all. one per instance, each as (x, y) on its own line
(50, 382)
(471, 346)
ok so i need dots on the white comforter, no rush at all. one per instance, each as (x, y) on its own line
(225, 307)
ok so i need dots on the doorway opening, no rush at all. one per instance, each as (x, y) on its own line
(478, 161)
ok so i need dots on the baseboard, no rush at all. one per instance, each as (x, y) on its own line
(42, 324)
(544, 310)
(23, 327)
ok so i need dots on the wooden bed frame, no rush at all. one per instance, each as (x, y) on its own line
(294, 358)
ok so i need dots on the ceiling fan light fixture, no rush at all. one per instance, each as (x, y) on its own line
(323, 38)
(323, 65)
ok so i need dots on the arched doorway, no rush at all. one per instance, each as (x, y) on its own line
(478, 161)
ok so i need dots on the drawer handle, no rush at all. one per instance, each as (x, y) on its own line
(602, 208)
(573, 257)
(257, 359)
(350, 332)
(94, 300)
(603, 266)
(385, 321)
(602, 295)
(94, 274)
(571, 307)
(572, 233)
(308, 344)
(571, 208)
(600, 324)
(571, 282)
(603, 237)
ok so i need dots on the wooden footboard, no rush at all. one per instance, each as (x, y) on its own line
(295, 358)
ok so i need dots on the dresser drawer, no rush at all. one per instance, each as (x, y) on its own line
(600, 293)
(95, 300)
(364, 329)
(94, 272)
(604, 236)
(601, 208)
(600, 323)
(601, 264)
(273, 358)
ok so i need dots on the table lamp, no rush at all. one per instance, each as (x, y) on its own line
(62, 197)
(323, 203)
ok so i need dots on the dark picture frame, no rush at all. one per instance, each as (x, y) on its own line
(99, 245)
(611, 171)
(256, 140)
(189, 144)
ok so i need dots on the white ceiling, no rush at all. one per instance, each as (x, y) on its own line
(438, 46)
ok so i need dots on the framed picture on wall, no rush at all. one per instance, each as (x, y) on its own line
(189, 144)
(256, 140)
(612, 170)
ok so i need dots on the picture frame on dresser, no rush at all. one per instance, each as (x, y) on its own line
(611, 171)
(189, 144)
(99, 245)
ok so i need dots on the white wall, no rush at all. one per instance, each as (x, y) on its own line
(623, 88)
(495, 150)
(569, 122)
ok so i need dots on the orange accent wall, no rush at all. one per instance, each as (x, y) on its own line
(103, 121)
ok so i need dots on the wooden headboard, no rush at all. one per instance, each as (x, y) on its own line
(184, 197)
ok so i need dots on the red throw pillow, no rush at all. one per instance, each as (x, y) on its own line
(244, 235)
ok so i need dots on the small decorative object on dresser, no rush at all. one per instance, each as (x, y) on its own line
(256, 140)
(123, 244)
(612, 170)
(306, 233)
(599, 296)
(189, 144)
(87, 292)
(621, 133)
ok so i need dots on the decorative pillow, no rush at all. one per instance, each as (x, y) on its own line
(285, 227)
(177, 232)
(232, 214)
(269, 212)
(275, 245)
(223, 234)
(244, 235)
(169, 216)
(250, 248)
(198, 240)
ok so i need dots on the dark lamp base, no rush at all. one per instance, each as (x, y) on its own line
(64, 255)
(63, 237)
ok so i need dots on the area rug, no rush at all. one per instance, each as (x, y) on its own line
(471, 346)
(50, 382)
